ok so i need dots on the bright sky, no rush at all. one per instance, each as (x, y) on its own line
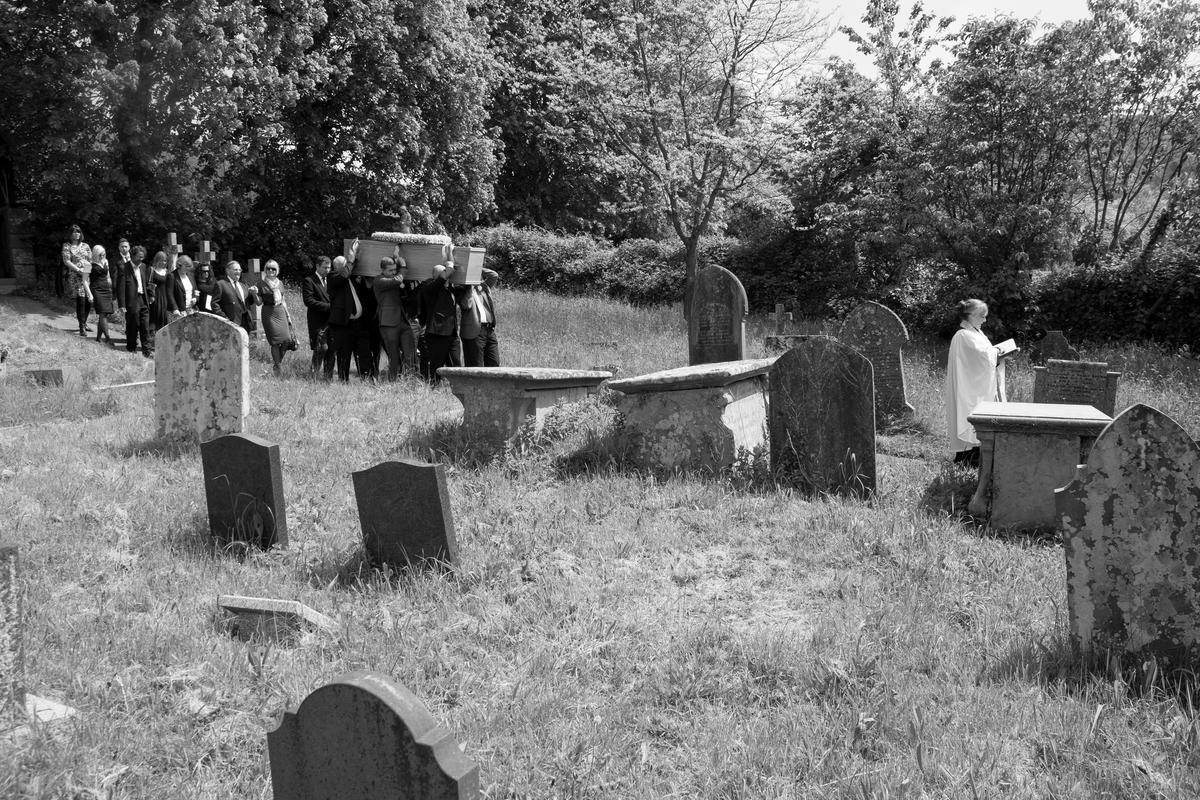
(849, 12)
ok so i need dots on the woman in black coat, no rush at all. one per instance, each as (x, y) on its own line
(100, 283)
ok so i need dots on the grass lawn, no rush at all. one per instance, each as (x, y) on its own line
(608, 635)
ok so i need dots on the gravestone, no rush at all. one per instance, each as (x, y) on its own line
(366, 737)
(243, 484)
(822, 418)
(269, 618)
(201, 378)
(1130, 521)
(12, 648)
(404, 510)
(1086, 383)
(52, 377)
(1054, 345)
(717, 324)
(875, 331)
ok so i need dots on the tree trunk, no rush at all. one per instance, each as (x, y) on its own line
(691, 258)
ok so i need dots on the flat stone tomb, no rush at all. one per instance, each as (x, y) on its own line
(1088, 383)
(822, 418)
(201, 378)
(717, 325)
(1026, 451)
(695, 418)
(243, 485)
(367, 737)
(272, 619)
(404, 511)
(875, 331)
(498, 400)
(1130, 520)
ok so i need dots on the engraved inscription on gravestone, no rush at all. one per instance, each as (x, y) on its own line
(875, 331)
(717, 323)
(1087, 383)
(243, 485)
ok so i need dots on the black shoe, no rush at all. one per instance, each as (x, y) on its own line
(87, 328)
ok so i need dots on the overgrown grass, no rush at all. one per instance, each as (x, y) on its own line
(607, 634)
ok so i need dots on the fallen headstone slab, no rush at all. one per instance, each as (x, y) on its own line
(269, 618)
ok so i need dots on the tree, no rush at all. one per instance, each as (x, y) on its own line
(686, 92)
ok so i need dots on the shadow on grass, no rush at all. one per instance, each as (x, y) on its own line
(161, 446)
(950, 491)
(356, 572)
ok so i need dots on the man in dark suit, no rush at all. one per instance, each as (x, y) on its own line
(132, 289)
(348, 320)
(234, 299)
(395, 329)
(479, 343)
(315, 291)
(440, 305)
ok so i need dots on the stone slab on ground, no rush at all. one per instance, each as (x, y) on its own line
(269, 618)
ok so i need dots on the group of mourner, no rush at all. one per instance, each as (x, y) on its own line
(352, 319)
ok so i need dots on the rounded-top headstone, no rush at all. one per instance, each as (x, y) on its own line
(201, 378)
(875, 331)
(717, 321)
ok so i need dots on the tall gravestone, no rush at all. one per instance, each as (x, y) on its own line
(404, 510)
(243, 484)
(717, 322)
(201, 378)
(367, 737)
(12, 648)
(875, 331)
(822, 418)
(1087, 383)
(1054, 345)
(1130, 521)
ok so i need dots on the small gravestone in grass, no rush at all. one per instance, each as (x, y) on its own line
(1131, 537)
(12, 648)
(875, 331)
(822, 418)
(243, 485)
(717, 322)
(201, 378)
(1053, 345)
(260, 618)
(1087, 383)
(404, 510)
(366, 737)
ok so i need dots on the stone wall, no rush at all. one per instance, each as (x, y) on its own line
(21, 237)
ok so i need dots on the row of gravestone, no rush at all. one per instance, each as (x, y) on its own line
(403, 506)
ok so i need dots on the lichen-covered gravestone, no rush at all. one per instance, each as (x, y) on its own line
(875, 331)
(404, 510)
(1087, 383)
(1131, 536)
(201, 378)
(366, 737)
(1053, 345)
(243, 484)
(12, 669)
(822, 418)
(717, 322)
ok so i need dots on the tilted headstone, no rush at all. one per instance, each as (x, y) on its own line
(52, 377)
(717, 322)
(1087, 383)
(12, 638)
(822, 418)
(1054, 345)
(404, 510)
(201, 378)
(875, 331)
(243, 484)
(269, 618)
(1131, 537)
(366, 737)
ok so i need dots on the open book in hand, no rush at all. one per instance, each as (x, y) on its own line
(1007, 347)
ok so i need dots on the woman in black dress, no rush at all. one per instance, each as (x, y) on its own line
(163, 304)
(100, 282)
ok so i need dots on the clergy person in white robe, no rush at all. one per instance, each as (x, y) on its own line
(973, 376)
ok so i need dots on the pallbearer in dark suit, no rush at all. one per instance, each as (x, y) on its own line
(132, 294)
(234, 299)
(440, 304)
(395, 328)
(315, 291)
(478, 331)
(349, 321)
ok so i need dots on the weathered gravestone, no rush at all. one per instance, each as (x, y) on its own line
(52, 377)
(1053, 345)
(822, 417)
(243, 484)
(269, 618)
(875, 331)
(1131, 536)
(12, 648)
(717, 324)
(366, 737)
(201, 378)
(404, 510)
(1087, 383)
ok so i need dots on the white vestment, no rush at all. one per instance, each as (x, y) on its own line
(972, 377)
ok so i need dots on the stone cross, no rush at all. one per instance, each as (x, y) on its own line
(243, 484)
(173, 245)
(12, 648)
(1054, 345)
(822, 418)
(404, 510)
(367, 737)
(1087, 383)
(717, 323)
(1130, 521)
(781, 319)
(875, 331)
(201, 378)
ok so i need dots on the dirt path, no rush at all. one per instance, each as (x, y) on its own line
(41, 337)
